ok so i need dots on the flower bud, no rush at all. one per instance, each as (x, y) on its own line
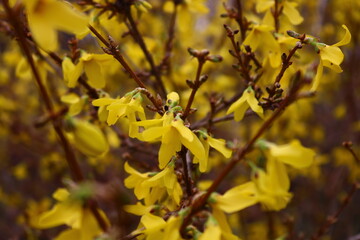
(89, 139)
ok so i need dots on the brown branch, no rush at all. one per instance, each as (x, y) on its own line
(270, 215)
(244, 69)
(276, 14)
(225, 104)
(287, 61)
(275, 90)
(201, 201)
(195, 87)
(112, 50)
(330, 220)
(139, 39)
(166, 62)
(186, 172)
(348, 146)
(240, 20)
(70, 156)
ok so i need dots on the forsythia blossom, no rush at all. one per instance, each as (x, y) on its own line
(71, 212)
(208, 141)
(172, 133)
(293, 154)
(91, 64)
(157, 228)
(152, 187)
(128, 106)
(247, 100)
(270, 188)
(47, 16)
(87, 137)
(289, 9)
(330, 56)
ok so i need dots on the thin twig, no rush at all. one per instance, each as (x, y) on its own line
(348, 146)
(276, 14)
(166, 62)
(187, 178)
(225, 104)
(112, 50)
(275, 91)
(287, 61)
(271, 224)
(330, 220)
(139, 39)
(240, 20)
(244, 69)
(195, 87)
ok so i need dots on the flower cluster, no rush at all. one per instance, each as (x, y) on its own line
(163, 125)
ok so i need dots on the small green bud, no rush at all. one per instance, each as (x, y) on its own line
(214, 58)
(193, 52)
(293, 34)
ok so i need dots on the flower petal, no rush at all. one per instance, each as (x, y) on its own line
(293, 154)
(94, 73)
(332, 54)
(254, 103)
(153, 133)
(61, 213)
(197, 149)
(318, 76)
(292, 13)
(168, 148)
(219, 145)
(183, 131)
(102, 102)
(238, 198)
(346, 39)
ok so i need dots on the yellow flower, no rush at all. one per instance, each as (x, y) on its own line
(187, 11)
(34, 210)
(331, 56)
(247, 100)
(218, 144)
(128, 106)
(93, 66)
(221, 220)
(153, 186)
(157, 228)
(135, 181)
(289, 9)
(173, 134)
(269, 188)
(87, 138)
(70, 211)
(261, 37)
(138, 209)
(212, 231)
(273, 186)
(293, 154)
(23, 69)
(238, 198)
(76, 103)
(166, 178)
(45, 17)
